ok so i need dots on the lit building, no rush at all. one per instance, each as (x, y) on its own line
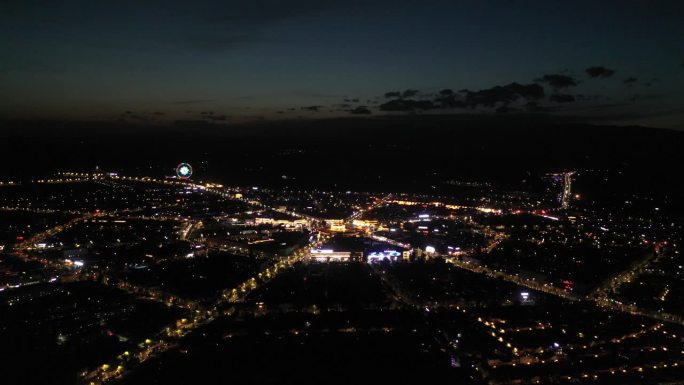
(365, 223)
(379, 256)
(329, 255)
(336, 225)
(281, 222)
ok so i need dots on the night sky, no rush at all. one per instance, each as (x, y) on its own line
(616, 62)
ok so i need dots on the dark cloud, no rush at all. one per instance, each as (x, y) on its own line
(210, 116)
(562, 98)
(450, 100)
(132, 116)
(312, 108)
(494, 97)
(398, 94)
(360, 110)
(407, 105)
(558, 80)
(491, 97)
(599, 72)
(630, 80)
(409, 93)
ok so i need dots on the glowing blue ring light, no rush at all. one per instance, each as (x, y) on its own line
(184, 171)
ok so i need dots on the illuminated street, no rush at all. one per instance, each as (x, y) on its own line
(401, 243)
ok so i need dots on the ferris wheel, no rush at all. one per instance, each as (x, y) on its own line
(184, 171)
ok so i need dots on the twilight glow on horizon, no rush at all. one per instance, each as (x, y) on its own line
(617, 62)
